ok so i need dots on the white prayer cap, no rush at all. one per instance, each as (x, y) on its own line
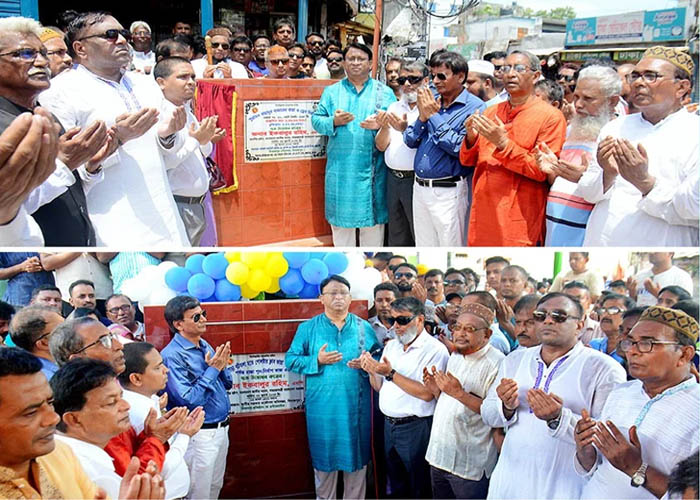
(481, 66)
(138, 24)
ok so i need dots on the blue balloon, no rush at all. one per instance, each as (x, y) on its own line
(296, 259)
(227, 291)
(210, 299)
(215, 265)
(336, 262)
(309, 292)
(201, 286)
(292, 283)
(314, 271)
(194, 263)
(177, 278)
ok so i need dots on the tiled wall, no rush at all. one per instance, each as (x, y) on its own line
(268, 452)
(276, 201)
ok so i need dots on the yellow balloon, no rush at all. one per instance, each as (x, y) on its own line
(276, 266)
(422, 269)
(274, 286)
(369, 263)
(233, 256)
(254, 260)
(248, 292)
(258, 280)
(237, 273)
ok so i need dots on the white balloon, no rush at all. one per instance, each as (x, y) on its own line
(132, 289)
(160, 296)
(372, 276)
(356, 262)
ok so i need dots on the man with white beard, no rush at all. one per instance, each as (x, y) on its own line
(595, 97)
(398, 156)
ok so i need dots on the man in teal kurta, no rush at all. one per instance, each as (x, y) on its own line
(355, 170)
(326, 349)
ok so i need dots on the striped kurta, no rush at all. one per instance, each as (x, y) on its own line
(355, 169)
(338, 404)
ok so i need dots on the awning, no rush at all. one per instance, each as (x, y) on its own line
(545, 51)
(619, 54)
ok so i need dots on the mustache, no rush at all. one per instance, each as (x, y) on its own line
(41, 71)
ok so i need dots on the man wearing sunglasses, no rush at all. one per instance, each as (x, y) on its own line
(406, 403)
(222, 65)
(327, 349)
(644, 180)
(199, 376)
(334, 60)
(509, 189)
(260, 45)
(135, 186)
(441, 190)
(315, 45)
(610, 315)
(566, 77)
(296, 55)
(647, 424)
(277, 62)
(399, 158)
(538, 395)
(30, 329)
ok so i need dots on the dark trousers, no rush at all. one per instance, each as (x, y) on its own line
(399, 200)
(405, 445)
(446, 485)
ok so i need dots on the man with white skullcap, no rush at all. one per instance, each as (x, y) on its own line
(482, 83)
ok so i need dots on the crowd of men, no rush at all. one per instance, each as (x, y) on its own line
(512, 389)
(97, 128)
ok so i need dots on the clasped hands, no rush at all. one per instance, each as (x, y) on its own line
(493, 131)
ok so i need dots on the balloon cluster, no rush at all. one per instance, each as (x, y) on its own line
(231, 276)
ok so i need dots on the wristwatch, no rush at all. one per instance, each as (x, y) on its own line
(390, 377)
(640, 477)
(553, 423)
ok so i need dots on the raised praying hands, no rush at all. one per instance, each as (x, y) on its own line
(622, 454)
(78, 145)
(427, 104)
(544, 406)
(371, 123)
(176, 121)
(448, 383)
(221, 356)
(206, 131)
(584, 434)
(493, 131)
(507, 391)
(28, 149)
(374, 367)
(129, 126)
(164, 427)
(549, 164)
(135, 486)
(328, 357)
(633, 165)
(341, 118)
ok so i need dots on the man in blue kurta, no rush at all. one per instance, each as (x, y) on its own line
(355, 170)
(326, 349)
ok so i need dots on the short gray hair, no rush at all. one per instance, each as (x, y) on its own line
(610, 82)
(24, 25)
(65, 339)
(534, 60)
(416, 66)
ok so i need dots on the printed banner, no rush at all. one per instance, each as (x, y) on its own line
(262, 383)
(281, 131)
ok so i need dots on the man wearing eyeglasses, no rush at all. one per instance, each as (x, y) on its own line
(30, 329)
(461, 452)
(260, 45)
(406, 403)
(143, 57)
(56, 49)
(566, 77)
(538, 396)
(644, 180)
(327, 349)
(509, 189)
(649, 424)
(222, 66)
(591, 328)
(135, 187)
(441, 189)
(121, 310)
(242, 52)
(199, 376)
(399, 158)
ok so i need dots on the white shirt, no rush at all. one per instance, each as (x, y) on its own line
(86, 267)
(383, 333)
(187, 171)
(22, 231)
(142, 59)
(668, 215)
(460, 442)
(669, 433)
(321, 69)
(237, 69)
(673, 276)
(425, 352)
(534, 460)
(134, 204)
(397, 155)
(175, 472)
(96, 462)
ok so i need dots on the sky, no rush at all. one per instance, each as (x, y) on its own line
(591, 8)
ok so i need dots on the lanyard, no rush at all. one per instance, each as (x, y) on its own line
(668, 392)
(540, 372)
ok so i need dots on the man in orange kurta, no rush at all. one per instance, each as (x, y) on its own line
(509, 190)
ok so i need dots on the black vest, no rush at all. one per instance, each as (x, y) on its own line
(63, 221)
